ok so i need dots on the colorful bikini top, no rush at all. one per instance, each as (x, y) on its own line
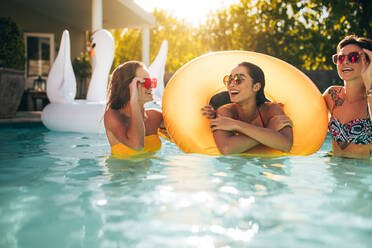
(152, 144)
(357, 131)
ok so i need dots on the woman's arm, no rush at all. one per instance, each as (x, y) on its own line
(227, 142)
(279, 138)
(130, 132)
(367, 78)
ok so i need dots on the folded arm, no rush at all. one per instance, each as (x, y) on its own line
(277, 134)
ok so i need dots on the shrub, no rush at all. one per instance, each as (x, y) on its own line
(83, 70)
(12, 46)
(82, 67)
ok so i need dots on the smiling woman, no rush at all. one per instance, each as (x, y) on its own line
(249, 120)
(195, 83)
(350, 105)
(130, 129)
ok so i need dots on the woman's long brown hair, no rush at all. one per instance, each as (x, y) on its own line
(118, 91)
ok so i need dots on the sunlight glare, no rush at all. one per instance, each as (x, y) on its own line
(192, 11)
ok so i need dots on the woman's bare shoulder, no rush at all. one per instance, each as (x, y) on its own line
(227, 110)
(332, 90)
(111, 114)
(154, 114)
(154, 118)
(113, 117)
(330, 95)
(272, 108)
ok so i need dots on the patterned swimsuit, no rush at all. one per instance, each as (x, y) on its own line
(357, 131)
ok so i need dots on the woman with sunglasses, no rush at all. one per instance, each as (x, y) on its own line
(249, 120)
(350, 105)
(130, 129)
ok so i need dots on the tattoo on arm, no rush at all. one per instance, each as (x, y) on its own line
(335, 98)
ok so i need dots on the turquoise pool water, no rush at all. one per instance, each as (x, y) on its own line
(63, 190)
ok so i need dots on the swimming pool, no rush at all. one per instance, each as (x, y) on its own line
(63, 190)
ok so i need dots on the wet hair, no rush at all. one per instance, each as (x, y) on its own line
(118, 91)
(258, 76)
(355, 40)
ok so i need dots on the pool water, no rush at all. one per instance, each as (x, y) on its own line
(64, 190)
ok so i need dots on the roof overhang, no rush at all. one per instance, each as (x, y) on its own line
(78, 13)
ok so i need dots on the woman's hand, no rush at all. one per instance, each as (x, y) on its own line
(133, 88)
(278, 122)
(223, 123)
(208, 111)
(367, 70)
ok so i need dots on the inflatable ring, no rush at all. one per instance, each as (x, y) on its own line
(193, 85)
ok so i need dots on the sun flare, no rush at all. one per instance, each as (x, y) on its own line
(192, 11)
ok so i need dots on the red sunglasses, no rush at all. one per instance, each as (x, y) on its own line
(352, 57)
(149, 83)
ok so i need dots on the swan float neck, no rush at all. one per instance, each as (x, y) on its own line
(104, 48)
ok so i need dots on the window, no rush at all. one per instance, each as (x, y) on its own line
(39, 54)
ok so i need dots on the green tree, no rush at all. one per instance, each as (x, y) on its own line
(342, 18)
(128, 45)
(183, 42)
(303, 33)
(278, 28)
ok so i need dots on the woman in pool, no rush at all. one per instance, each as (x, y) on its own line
(129, 128)
(249, 120)
(350, 105)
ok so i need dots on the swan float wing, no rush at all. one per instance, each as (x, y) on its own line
(156, 70)
(61, 82)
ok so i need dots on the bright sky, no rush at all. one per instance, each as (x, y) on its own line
(192, 11)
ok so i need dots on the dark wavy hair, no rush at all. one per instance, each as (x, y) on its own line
(118, 91)
(258, 76)
(361, 42)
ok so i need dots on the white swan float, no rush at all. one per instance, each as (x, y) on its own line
(69, 115)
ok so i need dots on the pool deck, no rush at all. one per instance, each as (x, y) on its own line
(24, 117)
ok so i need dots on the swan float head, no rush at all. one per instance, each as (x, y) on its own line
(103, 48)
(61, 83)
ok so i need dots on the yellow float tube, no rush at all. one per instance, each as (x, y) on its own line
(193, 85)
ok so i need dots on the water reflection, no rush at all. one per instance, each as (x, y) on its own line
(257, 175)
(352, 191)
(186, 198)
(217, 196)
(172, 199)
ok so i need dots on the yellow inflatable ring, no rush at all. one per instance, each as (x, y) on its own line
(193, 85)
